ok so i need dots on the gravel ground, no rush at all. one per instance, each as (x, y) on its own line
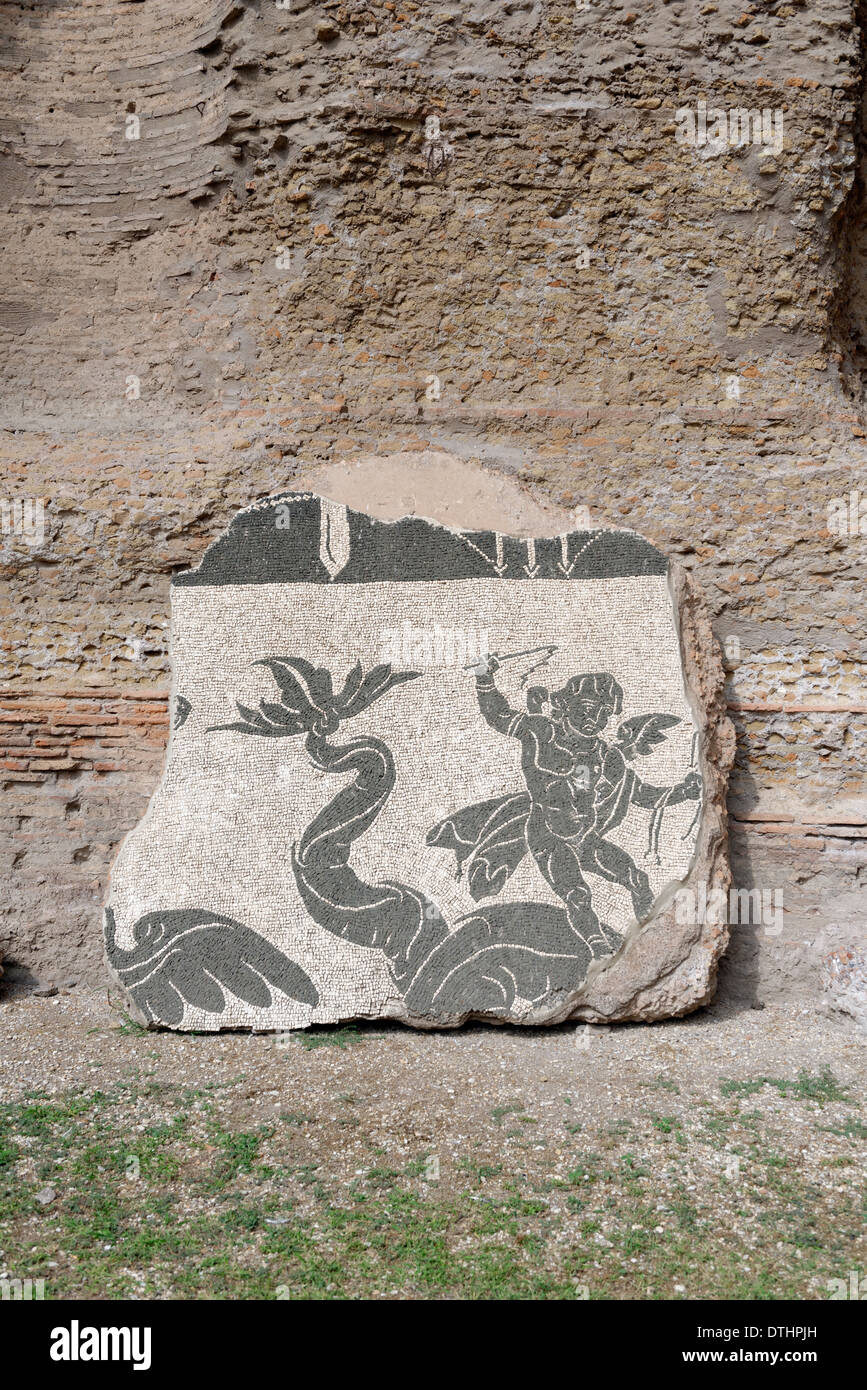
(716, 1156)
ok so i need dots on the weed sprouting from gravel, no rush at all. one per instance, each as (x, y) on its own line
(821, 1087)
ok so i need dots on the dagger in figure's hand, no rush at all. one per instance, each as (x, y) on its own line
(548, 650)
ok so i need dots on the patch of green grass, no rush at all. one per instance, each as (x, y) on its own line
(662, 1083)
(513, 1107)
(216, 1206)
(587, 1170)
(618, 1129)
(382, 1179)
(718, 1124)
(9, 1151)
(37, 1115)
(849, 1129)
(479, 1172)
(772, 1159)
(242, 1218)
(821, 1087)
(632, 1168)
(312, 1038)
(745, 1088)
(669, 1124)
(241, 1151)
(129, 1028)
(665, 1123)
(685, 1212)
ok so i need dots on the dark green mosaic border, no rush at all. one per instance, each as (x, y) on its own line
(278, 542)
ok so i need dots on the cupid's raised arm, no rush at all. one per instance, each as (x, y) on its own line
(493, 704)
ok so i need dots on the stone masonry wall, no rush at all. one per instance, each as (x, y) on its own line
(291, 263)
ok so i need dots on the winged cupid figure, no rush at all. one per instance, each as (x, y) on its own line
(578, 788)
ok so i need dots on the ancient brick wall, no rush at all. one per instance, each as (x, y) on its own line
(237, 244)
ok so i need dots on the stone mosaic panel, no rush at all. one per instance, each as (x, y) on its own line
(414, 773)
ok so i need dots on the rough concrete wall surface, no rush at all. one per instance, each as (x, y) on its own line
(609, 255)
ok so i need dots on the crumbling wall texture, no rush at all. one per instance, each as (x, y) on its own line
(290, 263)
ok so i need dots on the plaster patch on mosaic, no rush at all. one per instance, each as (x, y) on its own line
(413, 773)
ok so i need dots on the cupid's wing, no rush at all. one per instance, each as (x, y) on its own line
(489, 838)
(638, 736)
(190, 956)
